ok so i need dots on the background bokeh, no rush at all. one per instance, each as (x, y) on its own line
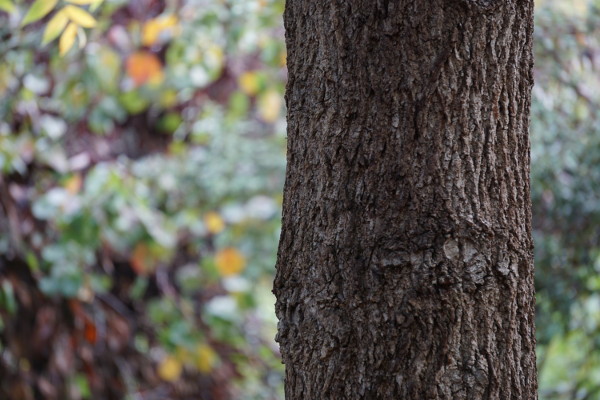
(142, 155)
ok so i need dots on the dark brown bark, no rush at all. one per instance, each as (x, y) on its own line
(405, 266)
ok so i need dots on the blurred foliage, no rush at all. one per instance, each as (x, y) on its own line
(141, 173)
(566, 196)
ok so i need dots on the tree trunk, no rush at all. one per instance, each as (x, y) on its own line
(405, 266)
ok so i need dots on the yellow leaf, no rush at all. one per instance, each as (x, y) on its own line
(170, 369)
(73, 184)
(7, 5)
(214, 223)
(230, 261)
(283, 59)
(154, 28)
(144, 67)
(55, 26)
(38, 10)
(249, 82)
(67, 39)
(213, 55)
(169, 21)
(269, 106)
(168, 98)
(206, 358)
(150, 32)
(81, 2)
(80, 16)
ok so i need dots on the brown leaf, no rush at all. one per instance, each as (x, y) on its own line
(90, 332)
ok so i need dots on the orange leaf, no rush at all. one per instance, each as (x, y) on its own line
(230, 261)
(144, 67)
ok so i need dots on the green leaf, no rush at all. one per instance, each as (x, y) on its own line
(38, 10)
(81, 2)
(32, 261)
(7, 297)
(7, 5)
(81, 383)
(95, 5)
(82, 38)
(106, 63)
(133, 102)
(170, 122)
(64, 280)
(55, 26)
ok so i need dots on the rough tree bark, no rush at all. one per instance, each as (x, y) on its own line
(405, 266)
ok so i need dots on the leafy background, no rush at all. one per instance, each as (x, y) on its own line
(142, 154)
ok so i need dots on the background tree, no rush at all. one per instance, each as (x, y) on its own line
(139, 175)
(405, 266)
(566, 197)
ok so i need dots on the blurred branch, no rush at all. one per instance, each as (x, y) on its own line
(11, 214)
